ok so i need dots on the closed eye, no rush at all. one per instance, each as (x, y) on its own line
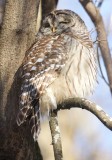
(64, 22)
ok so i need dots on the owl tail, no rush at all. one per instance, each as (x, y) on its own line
(32, 113)
(35, 122)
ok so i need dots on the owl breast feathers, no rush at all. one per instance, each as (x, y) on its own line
(59, 65)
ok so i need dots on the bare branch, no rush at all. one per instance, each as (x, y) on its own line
(56, 138)
(74, 103)
(98, 22)
(90, 106)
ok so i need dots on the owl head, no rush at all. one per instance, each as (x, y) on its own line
(60, 21)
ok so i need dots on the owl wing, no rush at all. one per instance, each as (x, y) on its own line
(41, 66)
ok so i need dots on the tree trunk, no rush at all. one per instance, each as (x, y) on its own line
(16, 35)
(48, 6)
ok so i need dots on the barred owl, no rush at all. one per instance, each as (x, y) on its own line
(59, 65)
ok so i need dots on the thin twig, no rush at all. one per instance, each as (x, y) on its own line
(56, 138)
(100, 3)
(102, 75)
(95, 16)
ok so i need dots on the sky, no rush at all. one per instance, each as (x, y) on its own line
(101, 95)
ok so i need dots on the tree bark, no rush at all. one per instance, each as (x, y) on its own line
(16, 35)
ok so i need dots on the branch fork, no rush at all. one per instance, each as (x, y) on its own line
(74, 103)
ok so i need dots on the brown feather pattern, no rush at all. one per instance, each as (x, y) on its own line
(57, 66)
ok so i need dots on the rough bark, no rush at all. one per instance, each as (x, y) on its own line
(16, 35)
(56, 138)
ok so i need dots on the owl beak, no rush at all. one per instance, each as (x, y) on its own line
(53, 29)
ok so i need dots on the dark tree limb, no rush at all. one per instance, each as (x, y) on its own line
(96, 17)
(48, 6)
(56, 138)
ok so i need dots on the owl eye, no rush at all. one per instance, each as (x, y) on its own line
(64, 22)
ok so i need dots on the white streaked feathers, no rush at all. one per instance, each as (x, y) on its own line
(39, 60)
(51, 97)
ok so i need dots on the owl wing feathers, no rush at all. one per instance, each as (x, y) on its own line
(40, 68)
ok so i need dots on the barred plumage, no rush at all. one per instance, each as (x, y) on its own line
(60, 64)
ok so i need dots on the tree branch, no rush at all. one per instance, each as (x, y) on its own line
(95, 16)
(90, 106)
(56, 138)
(74, 103)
